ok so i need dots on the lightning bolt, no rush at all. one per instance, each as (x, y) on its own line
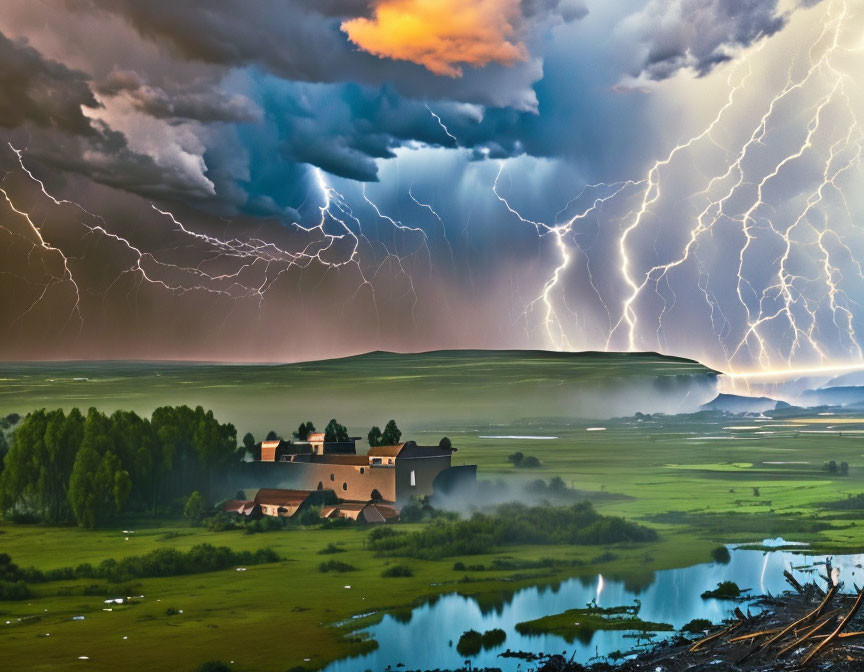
(443, 126)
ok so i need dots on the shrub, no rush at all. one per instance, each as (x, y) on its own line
(508, 525)
(14, 590)
(721, 555)
(458, 566)
(726, 590)
(697, 625)
(329, 549)
(194, 509)
(470, 643)
(397, 571)
(335, 566)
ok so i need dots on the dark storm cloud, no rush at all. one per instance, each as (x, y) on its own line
(699, 34)
(302, 41)
(200, 102)
(105, 157)
(41, 91)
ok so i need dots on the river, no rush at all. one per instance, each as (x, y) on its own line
(426, 638)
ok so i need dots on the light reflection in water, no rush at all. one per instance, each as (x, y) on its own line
(420, 641)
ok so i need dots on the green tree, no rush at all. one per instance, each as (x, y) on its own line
(375, 437)
(249, 441)
(334, 432)
(194, 510)
(91, 486)
(122, 489)
(272, 435)
(445, 444)
(39, 463)
(304, 430)
(516, 459)
(391, 435)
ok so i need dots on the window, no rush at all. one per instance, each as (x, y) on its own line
(376, 460)
(413, 479)
(344, 486)
(332, 477)
(362, 470)
(320, 485)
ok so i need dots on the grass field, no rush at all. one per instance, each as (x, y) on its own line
(700, 480)
(436, 388)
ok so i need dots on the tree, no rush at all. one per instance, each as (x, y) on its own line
(844, 468)
(445, 444)
(272, 435)
(194, 510)
(391, 434)
(375, 437)
(304, 430)
(334, 432)
(516, 459)
(249, 442)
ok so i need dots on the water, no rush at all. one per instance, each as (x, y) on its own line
(421, 640)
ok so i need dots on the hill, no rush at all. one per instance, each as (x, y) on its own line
(419, 390)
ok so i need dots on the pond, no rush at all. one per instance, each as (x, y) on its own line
(426, 636)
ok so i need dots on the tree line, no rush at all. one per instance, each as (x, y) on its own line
(334, 432)
(70, 467)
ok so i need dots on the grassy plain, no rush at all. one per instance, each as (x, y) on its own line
(700, 480)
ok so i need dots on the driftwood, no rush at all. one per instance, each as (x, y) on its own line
(808, 628)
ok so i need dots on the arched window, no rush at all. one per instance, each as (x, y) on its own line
(320, 485)
(413, 479)
(362, 470)
(344, 486)
(332, 477)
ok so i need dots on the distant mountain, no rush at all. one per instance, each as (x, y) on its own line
(736, 403)
(417, 389)
(843, 395)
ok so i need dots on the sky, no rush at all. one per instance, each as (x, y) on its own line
(281, 180)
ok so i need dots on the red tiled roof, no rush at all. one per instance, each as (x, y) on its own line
(278, 497)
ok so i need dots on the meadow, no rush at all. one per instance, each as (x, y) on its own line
(700, 480)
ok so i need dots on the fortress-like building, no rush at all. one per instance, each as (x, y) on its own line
(387, 473)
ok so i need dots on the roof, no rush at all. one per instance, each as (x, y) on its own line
(234, 505)
(278, 497)
(410, 449)
(316, 437)
(271, 444)
(387, 451)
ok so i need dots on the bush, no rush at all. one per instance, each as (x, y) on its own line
(458, 566)
(472, 642)
(721, 555)
(194, 509)
(14, 590)
(726, 590)
(697, 626)
(335, 566)
(397, 571)
(509, 525)
(160, 562)
(330, 549)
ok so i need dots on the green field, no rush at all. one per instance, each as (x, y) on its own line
(435, 388)
(700, 480)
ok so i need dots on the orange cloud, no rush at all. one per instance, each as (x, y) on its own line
(441, 35)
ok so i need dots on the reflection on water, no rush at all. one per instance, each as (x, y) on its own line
(425, 637)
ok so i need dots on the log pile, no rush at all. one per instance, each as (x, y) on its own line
(808, 628)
